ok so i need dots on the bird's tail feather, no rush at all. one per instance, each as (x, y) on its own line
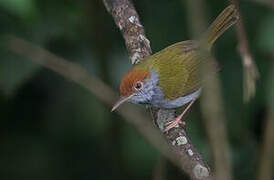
(227, 18)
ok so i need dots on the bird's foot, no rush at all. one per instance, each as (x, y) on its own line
(174, 123)
(178, 120)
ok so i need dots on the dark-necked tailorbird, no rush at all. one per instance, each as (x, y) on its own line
(171, 77)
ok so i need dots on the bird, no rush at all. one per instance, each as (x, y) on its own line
(172, 78)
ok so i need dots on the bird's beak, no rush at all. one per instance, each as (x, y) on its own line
(121, 101)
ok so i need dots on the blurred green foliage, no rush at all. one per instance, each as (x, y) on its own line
(20, 8)
(53, 129)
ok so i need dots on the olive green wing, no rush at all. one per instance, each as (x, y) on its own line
(180, 69)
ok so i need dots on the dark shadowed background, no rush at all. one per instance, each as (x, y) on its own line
(52, 128)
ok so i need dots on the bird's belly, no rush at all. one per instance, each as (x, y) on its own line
(161, 102)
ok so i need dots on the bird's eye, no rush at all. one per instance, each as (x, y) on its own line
(138, 86)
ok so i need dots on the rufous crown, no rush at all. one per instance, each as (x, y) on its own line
(131, 80)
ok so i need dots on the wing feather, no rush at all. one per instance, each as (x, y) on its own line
(180, 67)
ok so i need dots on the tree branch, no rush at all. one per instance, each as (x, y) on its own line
(127, 19)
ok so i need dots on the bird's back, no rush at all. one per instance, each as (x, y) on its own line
(179, 68)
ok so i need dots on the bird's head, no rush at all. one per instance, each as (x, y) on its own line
(137, 87)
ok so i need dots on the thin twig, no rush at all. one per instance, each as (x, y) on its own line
(127, 20)
(250, 74)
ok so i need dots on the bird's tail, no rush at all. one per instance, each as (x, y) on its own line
(227, 18)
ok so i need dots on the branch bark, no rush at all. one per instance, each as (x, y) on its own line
(127, 20)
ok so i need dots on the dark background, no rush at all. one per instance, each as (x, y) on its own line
(51, 128)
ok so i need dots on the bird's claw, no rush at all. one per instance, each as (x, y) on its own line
(173, 124)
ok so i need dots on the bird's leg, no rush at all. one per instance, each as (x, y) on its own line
(177, 121)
